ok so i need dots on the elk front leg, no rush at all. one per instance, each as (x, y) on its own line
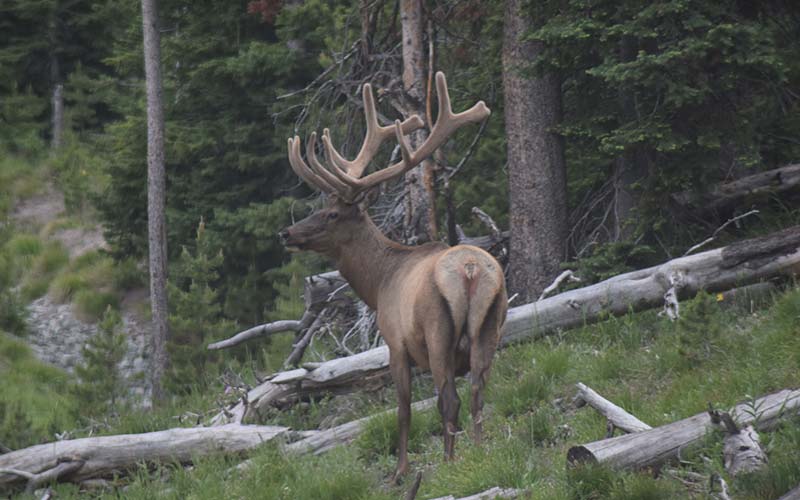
(401, 374)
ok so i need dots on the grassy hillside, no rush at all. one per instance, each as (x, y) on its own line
(658, 370)
(34, 399)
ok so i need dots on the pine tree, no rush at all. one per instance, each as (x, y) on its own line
(101, 387)
(195, 316)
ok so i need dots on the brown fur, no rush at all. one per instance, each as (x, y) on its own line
(440, 307)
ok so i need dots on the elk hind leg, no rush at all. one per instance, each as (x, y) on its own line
(482, 349)
(441, 354)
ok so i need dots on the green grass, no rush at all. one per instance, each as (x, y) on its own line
(641, 361)
(36, 391)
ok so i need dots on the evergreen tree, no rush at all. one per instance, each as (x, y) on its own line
(101, 387)
(195, 318)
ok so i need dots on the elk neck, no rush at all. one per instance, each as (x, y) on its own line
(369, 260)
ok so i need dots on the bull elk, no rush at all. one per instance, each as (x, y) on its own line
(437, 306)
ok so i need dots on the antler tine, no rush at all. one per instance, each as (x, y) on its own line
(446, 123)
(320, 170)
(302, 170)
(374, 137)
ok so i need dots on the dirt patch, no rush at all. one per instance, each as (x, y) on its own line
(39, 209)
(79, 240)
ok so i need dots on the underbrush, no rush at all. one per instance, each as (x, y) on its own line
(34, 399)
(643, 362)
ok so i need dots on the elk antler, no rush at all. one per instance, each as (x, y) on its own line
(344, 178)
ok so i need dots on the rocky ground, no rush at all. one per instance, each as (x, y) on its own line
(56, 335)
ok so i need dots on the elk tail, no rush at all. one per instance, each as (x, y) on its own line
(469, 280)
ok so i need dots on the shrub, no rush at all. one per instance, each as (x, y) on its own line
(127, 275)
(65, 286)
(91, 304)
(23, 248)
(101, 386)
(52, 258)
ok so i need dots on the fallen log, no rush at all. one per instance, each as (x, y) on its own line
(716, 270)
(286, 325)
(618, 417)
(793, 494)
(322, 441)
(490, 494)
(653, 447)
(77, 460)
(727, 195)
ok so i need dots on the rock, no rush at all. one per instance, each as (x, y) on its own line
(58, 337)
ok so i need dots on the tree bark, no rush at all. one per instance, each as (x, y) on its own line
(106, 456)
(420, 221)
(156, 194)
(536, 169)
(653, 447)
(58, 116)
(751, 260)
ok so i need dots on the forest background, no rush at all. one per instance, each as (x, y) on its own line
(655, 98)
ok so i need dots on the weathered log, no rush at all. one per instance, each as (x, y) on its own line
(714, 270)
(286, 325)
(727, 195)
(653, 447)
(793, 494)
(616, 415)
(96, 457)
(742, 452)
(490, 494)
(369, 369)
(738, 264)
(322, 441)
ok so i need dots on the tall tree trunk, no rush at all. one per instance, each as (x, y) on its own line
(420, 220)
(56, 84)
(58, 116)
(156, 194)
(630, 168)
(536, 171)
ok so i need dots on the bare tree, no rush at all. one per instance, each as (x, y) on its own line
(420, 223)
(156, 194)
(536, 170)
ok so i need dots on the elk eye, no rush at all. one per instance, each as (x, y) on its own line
(333, 215)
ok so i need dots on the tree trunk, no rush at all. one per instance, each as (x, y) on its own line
(536, 170)
(156, 194)
(653, 447)
(630, 167)
(108, 456)
(56, 84)
(58, 116)
(420, 220)
(715, 270)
